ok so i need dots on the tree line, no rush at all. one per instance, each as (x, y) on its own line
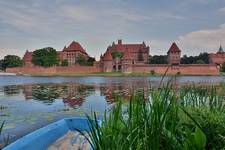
(202, 58)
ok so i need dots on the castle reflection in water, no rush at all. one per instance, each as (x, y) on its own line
(74, 94)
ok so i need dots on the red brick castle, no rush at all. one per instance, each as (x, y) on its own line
(69, 53)
(125, 58)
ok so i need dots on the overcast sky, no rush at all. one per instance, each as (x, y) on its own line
(196, 25)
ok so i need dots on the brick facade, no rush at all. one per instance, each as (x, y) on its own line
(70, 53)
(129, 58)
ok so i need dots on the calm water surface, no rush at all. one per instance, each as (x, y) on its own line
(28, 103)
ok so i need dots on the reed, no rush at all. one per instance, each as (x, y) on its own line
(186, 118)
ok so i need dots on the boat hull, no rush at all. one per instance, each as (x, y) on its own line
(44, 137)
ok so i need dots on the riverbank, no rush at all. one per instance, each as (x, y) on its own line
(111, 74)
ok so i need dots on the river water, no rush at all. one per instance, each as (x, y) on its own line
(29, 103)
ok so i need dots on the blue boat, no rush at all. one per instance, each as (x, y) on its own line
(42, 138)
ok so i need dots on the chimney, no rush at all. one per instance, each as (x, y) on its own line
(119, 42)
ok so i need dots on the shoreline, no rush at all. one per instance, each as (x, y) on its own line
(112, 74)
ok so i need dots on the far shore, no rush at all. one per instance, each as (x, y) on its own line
(110, 74)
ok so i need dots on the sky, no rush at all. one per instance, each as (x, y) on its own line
(195, 25)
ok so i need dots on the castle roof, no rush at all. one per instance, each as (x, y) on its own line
(74, 46)
(133, 48)
(174, 48)
(107, 56)
(220, 51)
(126, 55)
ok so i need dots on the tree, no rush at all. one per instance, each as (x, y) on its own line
(1, 64)
(45, 57)
(116, 54)
(90, 61)
(10, 61)
(200, 61)
(223, 67)
(80, 60)
(158, 59)
(65, 62)
(204, 57)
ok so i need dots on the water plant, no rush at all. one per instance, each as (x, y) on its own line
(186, 118)
(5, 141)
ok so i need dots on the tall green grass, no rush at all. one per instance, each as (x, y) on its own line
(186, 118)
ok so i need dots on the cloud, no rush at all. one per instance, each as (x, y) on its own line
(203, 40)
(222, 10)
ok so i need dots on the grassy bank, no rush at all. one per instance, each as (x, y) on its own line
(186, 118)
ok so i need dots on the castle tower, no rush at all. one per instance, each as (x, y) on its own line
(127, 62)
(107, 62)
(173, 55)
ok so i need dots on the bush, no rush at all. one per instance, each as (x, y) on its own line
(152, 72)
(223, 67)
(65, 63)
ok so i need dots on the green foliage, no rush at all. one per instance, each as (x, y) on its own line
(80, 60)
(158, 59)
(90, 61)
(65, 62)
(116, 54)
(45, 57)
(188, 118)
(202, 58)
(10, 61)
(1, 64)
(200, 61)
(223, 67)
(152, 72)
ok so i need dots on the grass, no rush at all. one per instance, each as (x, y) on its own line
(186, 118)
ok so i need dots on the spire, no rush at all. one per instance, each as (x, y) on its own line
(220, 51)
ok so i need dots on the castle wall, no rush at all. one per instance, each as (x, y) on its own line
(54, 70)
(217, 58)
(192, 69)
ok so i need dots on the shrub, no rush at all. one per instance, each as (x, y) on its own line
(65, 63)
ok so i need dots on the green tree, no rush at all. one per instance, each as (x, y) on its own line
(116, 54)
(200, 61)
(223, 67)
(90, 61)
(204, 57)
(1, 64)
(65, 63)
(158, 59)
(10, 61)
(80, 60)
(45, 57)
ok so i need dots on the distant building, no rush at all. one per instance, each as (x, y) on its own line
(218, 58)
(120, 57)
(173, 55)
(69, 53)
